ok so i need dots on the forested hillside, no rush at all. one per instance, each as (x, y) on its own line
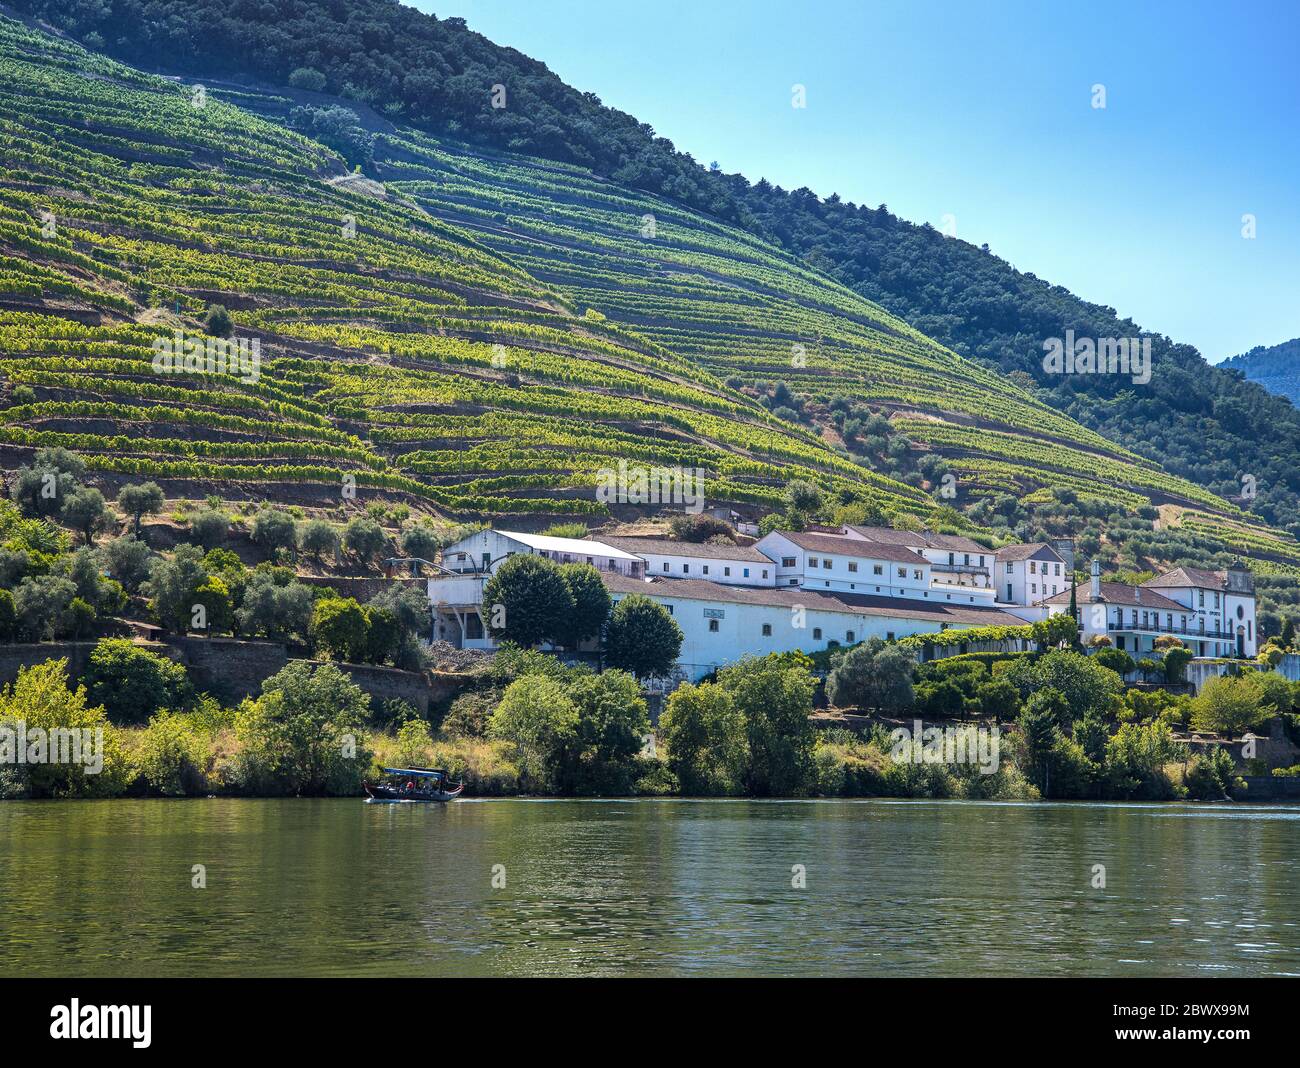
(1275, 367)
(1198, 422)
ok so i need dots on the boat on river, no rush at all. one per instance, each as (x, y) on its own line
(412, 786)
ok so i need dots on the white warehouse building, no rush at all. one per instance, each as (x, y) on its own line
(720, 623)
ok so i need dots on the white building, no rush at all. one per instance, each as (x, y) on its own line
(1027, 574)
(954, 560)
(1224, 600)
(1211, 612)
(456, 595)
(721, 623)
(850, 563)
(738, 565)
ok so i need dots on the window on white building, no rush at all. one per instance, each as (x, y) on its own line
(877, 569)
(788, 561)
(1010, 569)
(812, 561)
(902, 572)
(817, 634)
(853, 565)
(767, 630)
(848, 636)
(713, 626)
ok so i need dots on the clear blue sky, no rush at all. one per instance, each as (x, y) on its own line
(983, 111)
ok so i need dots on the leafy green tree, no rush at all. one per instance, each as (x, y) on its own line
(79, 619)
(218, 613)
(139, 500)
(998, 699)
(383, 634)
(171, 756)
(420, 541)
(527, 601)
(698, 528)
(1086, 685)
(303, 734)
(339, 628)
(209, 527)
(42, 603)
(133, 683)
(41, 698)
(1175, 663)
(612, 721)
(1136, 756)
(317, 537)
(85, 511)
(217, 321)
(1228, 705)
(1092, 735)
(1057, 630)
(1117, 660)
(365, 539)
(127, 559)
(274, 529)
(707, 745)
(642, 637)
(1040, 722)
(774, 696)
(541, 720)
(1274, 691)
(872, 675)
(803, 496)
(307, 78)
(8, 616)
(1211, 776)
(939, 700)
(40, 488)
(174, 584)
(591, 604)
(278, 611)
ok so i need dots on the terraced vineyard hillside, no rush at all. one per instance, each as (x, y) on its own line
(477, 334)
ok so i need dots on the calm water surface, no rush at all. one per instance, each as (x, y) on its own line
(339, 887)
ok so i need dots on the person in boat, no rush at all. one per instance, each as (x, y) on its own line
(410, 785)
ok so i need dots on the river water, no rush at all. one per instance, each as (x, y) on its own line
(647, 887)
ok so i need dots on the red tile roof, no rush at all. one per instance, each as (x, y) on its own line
(866, 550)
(1119, 594)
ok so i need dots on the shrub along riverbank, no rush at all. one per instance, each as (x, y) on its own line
(1056, 724)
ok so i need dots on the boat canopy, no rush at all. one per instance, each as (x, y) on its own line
(418, 773)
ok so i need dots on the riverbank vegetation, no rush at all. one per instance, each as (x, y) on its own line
(1055, 724)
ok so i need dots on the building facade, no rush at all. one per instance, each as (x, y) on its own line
(1212, 614)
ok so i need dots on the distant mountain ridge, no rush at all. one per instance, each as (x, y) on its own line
(1275, 367)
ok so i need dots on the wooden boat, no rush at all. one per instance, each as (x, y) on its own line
(412, 786)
